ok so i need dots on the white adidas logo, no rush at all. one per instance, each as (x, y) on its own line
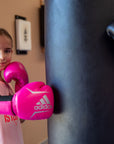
(44, 103)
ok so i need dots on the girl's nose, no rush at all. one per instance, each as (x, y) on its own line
(2, 55)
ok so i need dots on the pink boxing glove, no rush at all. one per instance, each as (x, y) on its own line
(34, 101)
(17, 72)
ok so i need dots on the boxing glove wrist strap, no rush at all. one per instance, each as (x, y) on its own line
(6, 105)
(6, 98)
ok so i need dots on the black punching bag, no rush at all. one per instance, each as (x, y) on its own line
(80, 69)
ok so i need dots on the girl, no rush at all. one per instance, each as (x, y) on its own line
(10, 129)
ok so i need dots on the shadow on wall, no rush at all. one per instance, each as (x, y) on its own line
(44, 142)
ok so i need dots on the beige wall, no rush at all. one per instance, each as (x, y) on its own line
(33, 131)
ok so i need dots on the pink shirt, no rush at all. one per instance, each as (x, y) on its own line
(10, 127)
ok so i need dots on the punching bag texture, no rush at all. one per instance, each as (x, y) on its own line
(80, 69)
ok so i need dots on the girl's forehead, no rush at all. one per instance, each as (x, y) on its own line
(4, 37)
(5, 42)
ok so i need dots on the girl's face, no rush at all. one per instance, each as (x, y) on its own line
(5, 51)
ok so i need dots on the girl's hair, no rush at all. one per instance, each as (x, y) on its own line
(5, 33)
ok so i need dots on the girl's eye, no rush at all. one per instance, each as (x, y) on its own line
(7, 51)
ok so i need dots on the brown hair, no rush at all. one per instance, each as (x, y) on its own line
(5, 33)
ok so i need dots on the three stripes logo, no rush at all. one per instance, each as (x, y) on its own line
(44, 103)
